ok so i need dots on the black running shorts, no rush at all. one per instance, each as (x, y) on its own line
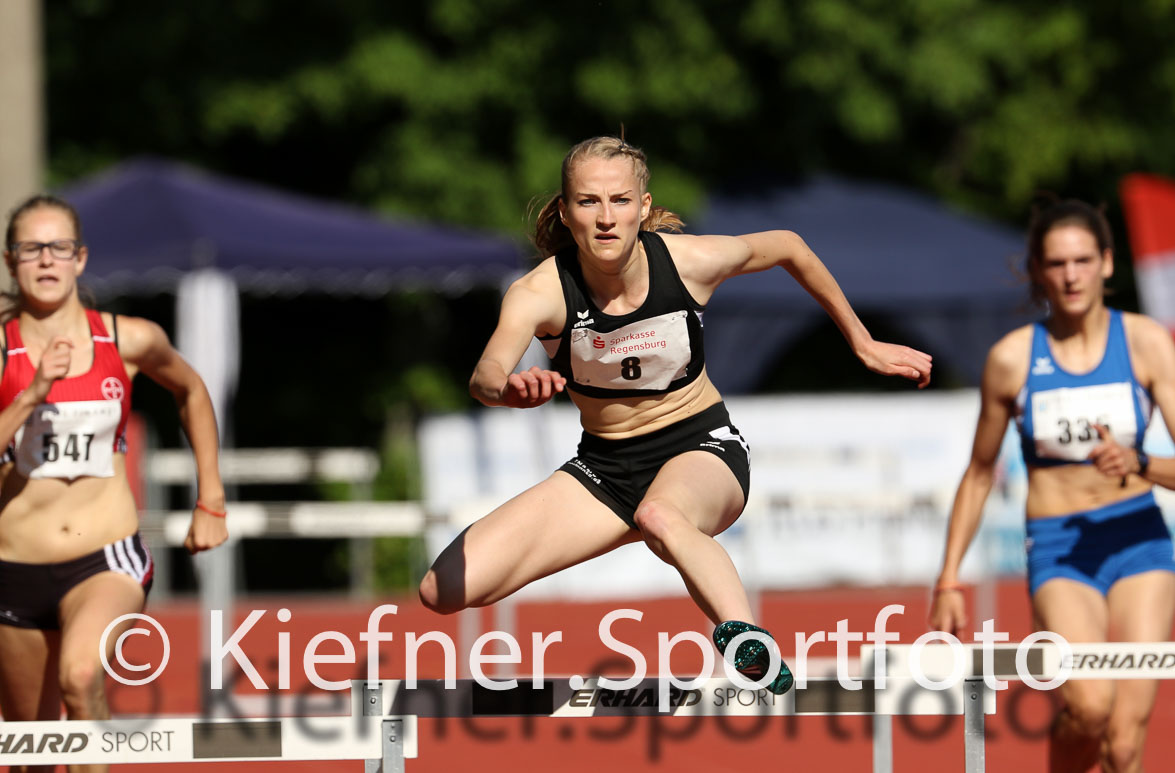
(31, 593)
(619, 472)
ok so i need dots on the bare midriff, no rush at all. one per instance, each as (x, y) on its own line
(1075, 488)
(49, 520)
(614, 418)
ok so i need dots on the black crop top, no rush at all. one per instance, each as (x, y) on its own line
(654, 349)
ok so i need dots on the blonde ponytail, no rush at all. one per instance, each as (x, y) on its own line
(550, 234)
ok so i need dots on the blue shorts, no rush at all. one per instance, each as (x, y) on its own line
(1099, 547)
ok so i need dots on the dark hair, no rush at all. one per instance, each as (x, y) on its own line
(36, 202)
(551, 236)
(1056, 214)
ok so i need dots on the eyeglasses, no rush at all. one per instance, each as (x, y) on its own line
(60, 249)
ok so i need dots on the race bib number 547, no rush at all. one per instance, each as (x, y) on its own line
(68, 440)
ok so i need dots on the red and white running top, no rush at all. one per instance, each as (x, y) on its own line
(82, 422)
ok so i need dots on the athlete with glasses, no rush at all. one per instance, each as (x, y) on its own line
(71, 560)
(59, 249)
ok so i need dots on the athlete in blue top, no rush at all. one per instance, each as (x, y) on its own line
(1080, 386)
(619, 309)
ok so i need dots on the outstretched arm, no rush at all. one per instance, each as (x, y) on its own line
(713, 259)
(145, 345)
(530, 306)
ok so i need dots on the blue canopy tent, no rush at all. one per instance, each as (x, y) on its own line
(944, 278)
(149, 221)
(155, 225)
(158, 225)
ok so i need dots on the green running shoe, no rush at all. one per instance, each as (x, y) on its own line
(752, 659)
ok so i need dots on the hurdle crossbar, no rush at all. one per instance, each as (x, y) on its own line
(195, 739)
(1043, 662)
(713, 696)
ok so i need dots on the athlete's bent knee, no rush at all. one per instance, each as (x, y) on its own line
(81, 684)
(429, 593)
(1088, 717)
(1123, 748)
(434, 599)
(1123, 756)
(656, 519)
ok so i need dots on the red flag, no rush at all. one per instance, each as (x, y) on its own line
(1148, 202)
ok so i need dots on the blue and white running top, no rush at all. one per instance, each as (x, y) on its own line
(1056, 410)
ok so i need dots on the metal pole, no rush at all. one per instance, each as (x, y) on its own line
(393, 746)
(882, 743)
(973, 725)
(371, 698)
(882, 723)
(391, 731)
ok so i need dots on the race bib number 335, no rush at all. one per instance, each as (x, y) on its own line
(1064, 420)
(68, 440)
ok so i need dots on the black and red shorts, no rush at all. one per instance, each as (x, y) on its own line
(30, 594)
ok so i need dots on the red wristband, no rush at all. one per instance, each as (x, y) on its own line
(942, 588)
(201, 506)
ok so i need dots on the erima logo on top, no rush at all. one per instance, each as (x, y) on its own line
(584, 319)
(1043, 367)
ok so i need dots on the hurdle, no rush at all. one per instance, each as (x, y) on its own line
(1043, 663)
(381, 728)
(576, 697)
(899, 694)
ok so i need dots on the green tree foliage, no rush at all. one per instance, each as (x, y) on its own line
(460, 110)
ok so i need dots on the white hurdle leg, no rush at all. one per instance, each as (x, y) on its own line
(975, 751)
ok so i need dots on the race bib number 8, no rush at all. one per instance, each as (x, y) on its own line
(649, 354)
(68, 440)
(1063, 419)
